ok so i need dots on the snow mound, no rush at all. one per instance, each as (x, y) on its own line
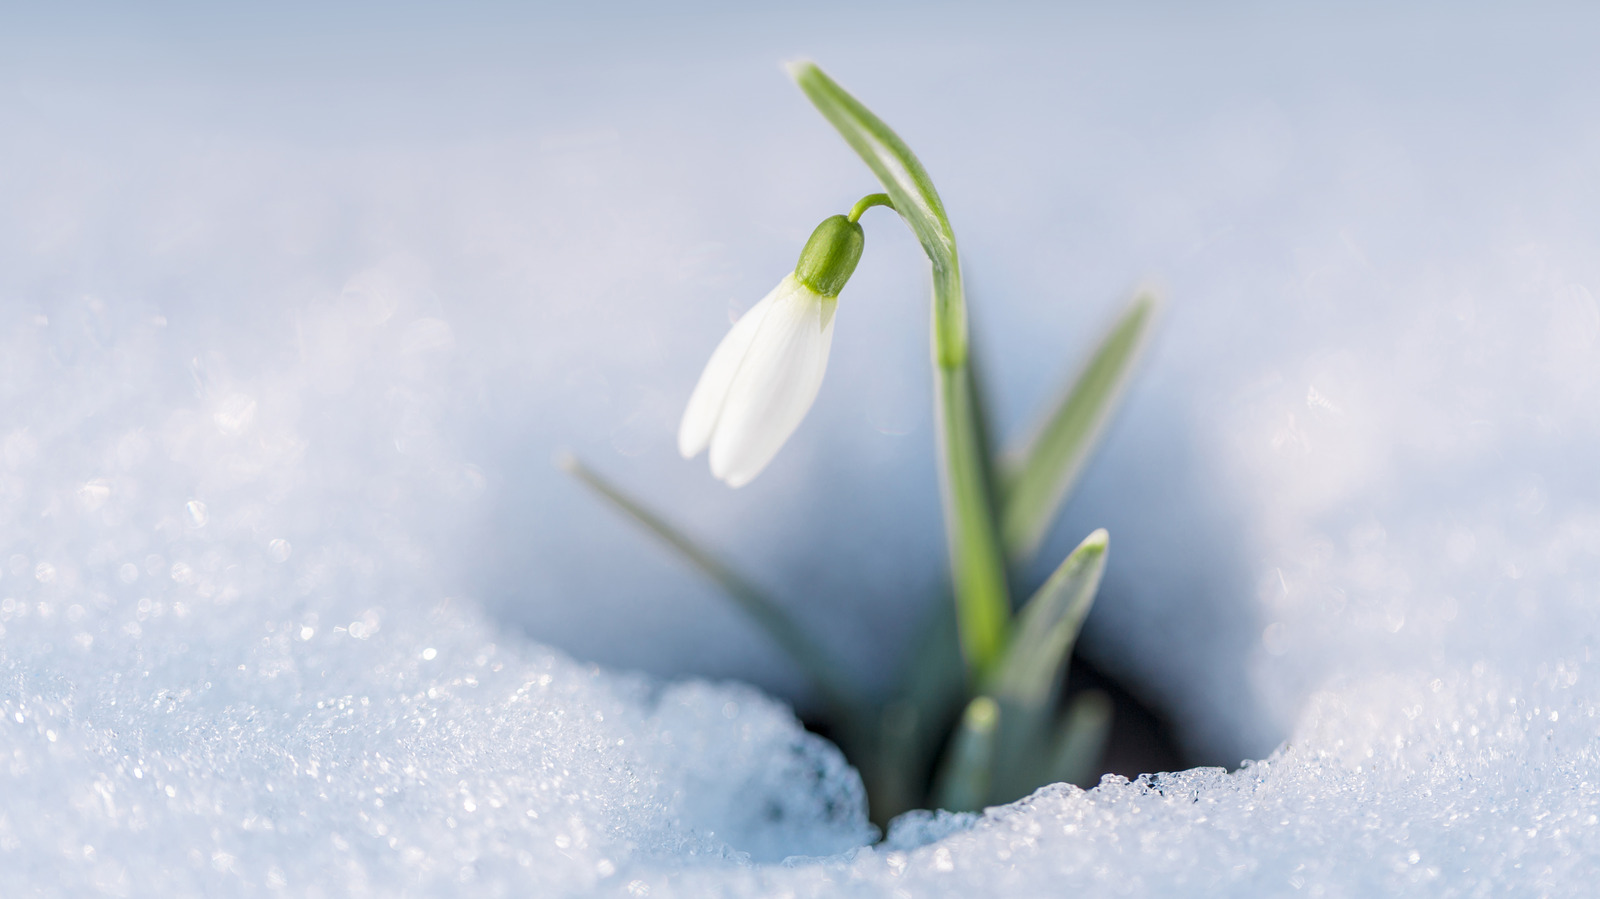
(180, 743)
(195, 703)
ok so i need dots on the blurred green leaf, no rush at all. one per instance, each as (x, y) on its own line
(963, 784)
(1081, 738)
(915, 723)
(1027, 683)
(1036, 480)
(893, 773)
(768, 615)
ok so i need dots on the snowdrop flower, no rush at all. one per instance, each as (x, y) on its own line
(763, 377)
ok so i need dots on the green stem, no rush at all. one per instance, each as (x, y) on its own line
(867, 202)
(983, 605)
(977, 565)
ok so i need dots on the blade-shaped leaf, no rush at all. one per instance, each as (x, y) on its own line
(928, 702)
(1048, 625)
(971, 527)
(894, 780)
(963, 784)
(1037, 479)
(768, 615)
(1029, 677)
(1081, 738)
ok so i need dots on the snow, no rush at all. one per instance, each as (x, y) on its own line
(292, 320)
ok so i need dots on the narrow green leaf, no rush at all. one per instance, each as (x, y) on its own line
(964, 779)
(894, 778)
(927, 703)
(934, 679)
(768, 615)
(1048, 625)
(1081, 739)
(971, 529)
(1028, 681)
(1036, 480)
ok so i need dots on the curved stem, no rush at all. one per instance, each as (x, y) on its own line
(983, 603)
(867, 202)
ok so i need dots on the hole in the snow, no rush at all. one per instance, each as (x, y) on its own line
(850, 546)
(1140, 738)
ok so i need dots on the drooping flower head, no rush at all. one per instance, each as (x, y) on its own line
(764, 375)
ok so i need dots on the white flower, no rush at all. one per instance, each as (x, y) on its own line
(760, 382)
(763, 377)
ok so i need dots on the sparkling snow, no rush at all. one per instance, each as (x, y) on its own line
(295, 309)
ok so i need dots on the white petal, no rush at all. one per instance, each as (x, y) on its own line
(776, 384)
(705, 404)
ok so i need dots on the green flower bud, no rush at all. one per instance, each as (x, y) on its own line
(830, 256)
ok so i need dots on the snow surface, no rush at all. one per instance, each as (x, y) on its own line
(294, 309)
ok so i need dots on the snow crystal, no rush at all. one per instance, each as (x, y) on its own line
(291, 320)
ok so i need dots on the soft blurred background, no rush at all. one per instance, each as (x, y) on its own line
(359, 271)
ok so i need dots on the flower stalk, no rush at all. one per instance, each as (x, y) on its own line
(977, 565)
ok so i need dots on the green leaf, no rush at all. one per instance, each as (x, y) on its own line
(964, 780)
(1081, 738)
(977, 565)
(1027, 683)
(1037, 479)
(894, 773)
(1048, 625)
(927, 704)
(768, 615)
